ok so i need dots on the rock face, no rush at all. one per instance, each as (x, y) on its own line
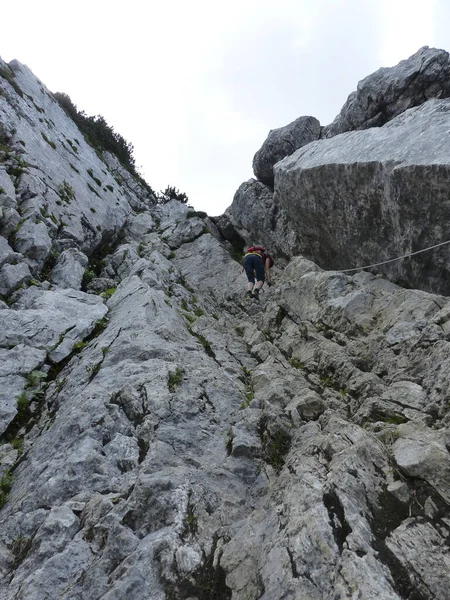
(366, 197)
(390, 91)
(283, 142)
(167, 439)
(370, 196)
(257, 219)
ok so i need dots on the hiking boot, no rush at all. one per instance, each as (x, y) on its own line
(256, 294)
(249, 294)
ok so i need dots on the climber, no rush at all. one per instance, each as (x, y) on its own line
(257, 264)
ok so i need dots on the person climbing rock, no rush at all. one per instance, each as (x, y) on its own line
(257, 264)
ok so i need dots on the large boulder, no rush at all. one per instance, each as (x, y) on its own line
(390, 91)
(257, 218)
(283, 142)
(69, 270)
(370, 196)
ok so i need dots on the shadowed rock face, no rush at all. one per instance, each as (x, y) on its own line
(369, 196)
(390, 91)
(169, 439)
(258, 219)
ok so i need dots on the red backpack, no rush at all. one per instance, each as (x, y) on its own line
(262, 253)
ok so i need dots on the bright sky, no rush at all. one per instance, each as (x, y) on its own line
(197, 85)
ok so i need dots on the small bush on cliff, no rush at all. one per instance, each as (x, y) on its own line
(171, 193)
(175, 379)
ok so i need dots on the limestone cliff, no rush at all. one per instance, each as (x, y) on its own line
(161, 438)
(374, 187)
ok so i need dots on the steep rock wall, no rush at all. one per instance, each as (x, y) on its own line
(167, 439)
(366, 197)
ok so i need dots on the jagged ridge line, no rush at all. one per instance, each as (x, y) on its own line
(385, 262)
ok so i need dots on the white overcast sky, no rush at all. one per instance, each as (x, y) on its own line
(196, 85)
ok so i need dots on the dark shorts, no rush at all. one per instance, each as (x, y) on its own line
(254, 265)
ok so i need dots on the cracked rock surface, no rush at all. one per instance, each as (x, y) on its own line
(163, 437)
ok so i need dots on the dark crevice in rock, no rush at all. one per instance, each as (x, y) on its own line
(190, 521)
(341, 528)
(294, 570)
(407, 589)
(275, 441)
(143, 449)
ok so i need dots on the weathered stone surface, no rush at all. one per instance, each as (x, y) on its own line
(12, 277)
(370, 196)
(52, 321)
(257, 218)
(198, 445)
(186, 231)
(7, 191)
(34, 242)
(423, 454)
(7, 254)
(283, 142)
(390, 91)
(9, 221)
(69, 269)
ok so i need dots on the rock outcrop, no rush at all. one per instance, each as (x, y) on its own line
(369, 196)
(388, 92)
(163, 438)
(365, 197)
(283, 142)
(257, 219)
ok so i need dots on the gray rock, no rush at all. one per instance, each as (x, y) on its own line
(7, 254)
(9, 221)
(12, 277)
(308, 405)
(360, 198)
(257, 218)
(53, 321)
(33, 240)
(294, 448)
(140, 225)
(10, 390)
(425, 457)
(388, 92)
(283, 142)
(186, 231)
(15, 364)
(69, 269)
(7, 191)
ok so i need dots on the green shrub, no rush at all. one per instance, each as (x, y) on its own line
(22, 404)
(276, 443)
(66, 192)
(93, 190)
(171, 193)
(297, 363)
(79, 346)
(34, 378)
(175, 379)
(96, 179)
(108, 293)
(8, 74)
(5, 488)
(49, 142)
(87, 278)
